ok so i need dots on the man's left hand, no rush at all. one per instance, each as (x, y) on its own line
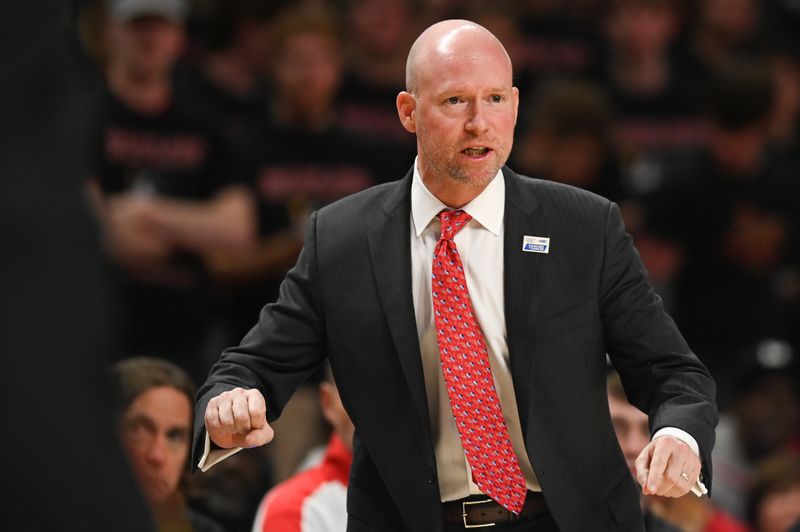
(667, 467)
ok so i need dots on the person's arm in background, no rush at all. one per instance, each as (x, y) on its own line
(142, 231)
(226, 222)
(128, 238)
(270, 257)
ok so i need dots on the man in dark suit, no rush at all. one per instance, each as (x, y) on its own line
(524, 284)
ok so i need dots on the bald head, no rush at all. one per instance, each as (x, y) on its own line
(462, 105)
(445, 41)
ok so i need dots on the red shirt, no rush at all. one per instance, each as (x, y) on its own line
(314, 500)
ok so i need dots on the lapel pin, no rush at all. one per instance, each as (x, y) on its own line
(536, 244)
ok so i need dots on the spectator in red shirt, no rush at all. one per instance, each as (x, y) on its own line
(315, 500)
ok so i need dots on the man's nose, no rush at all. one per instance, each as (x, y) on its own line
(157, 451)
(476, 120)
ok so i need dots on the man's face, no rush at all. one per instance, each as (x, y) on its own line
(307, 70)
(465, 112)
(147, 45)
(631, 427)
(155, 434)
(637, 30)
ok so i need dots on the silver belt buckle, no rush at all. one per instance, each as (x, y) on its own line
(464, 513)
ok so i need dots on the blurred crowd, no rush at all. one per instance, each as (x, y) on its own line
(218, 126)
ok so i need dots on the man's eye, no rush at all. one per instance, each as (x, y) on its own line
(452, 100)
(496, 98)
(177, 436)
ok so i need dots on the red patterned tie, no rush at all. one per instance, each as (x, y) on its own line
(468, 376)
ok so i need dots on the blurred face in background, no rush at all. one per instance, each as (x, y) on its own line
(739, 151)
(779, 510)
(786, 110)
(307, 70)
(731, 21)
(638, 29)
(155, 432)
(382, 25)
(768, 415)
(146, 47)
(574, 159)
(631, 427)
(253, 43)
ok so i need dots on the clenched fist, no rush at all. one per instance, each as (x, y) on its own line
(238, 418)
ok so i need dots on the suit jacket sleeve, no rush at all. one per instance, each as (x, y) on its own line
(661, 375)
(280, 352)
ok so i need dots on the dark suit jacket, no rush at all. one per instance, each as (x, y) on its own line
(349, 297)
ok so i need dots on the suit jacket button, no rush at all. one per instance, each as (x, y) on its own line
(431, 476)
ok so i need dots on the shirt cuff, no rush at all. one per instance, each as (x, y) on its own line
(699, 488)
(212, 457)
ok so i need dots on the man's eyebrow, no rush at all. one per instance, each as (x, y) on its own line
(448, 89)
(140, 418)
(456, 89)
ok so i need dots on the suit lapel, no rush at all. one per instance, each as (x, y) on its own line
(390, 250)
(522, 279)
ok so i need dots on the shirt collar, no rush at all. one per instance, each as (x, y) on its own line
(487, 208)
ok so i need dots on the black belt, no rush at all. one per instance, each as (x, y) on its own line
(473, 512)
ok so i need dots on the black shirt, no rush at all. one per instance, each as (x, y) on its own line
(172, 153)
(295, 171)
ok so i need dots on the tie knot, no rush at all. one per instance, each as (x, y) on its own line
(453, 222)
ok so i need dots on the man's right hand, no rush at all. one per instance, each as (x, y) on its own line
(238, 418)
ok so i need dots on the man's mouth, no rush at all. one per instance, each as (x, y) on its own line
(476, 152)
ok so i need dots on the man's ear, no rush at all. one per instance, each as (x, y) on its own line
(325, 400)
(406, 105)
(515, 97)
